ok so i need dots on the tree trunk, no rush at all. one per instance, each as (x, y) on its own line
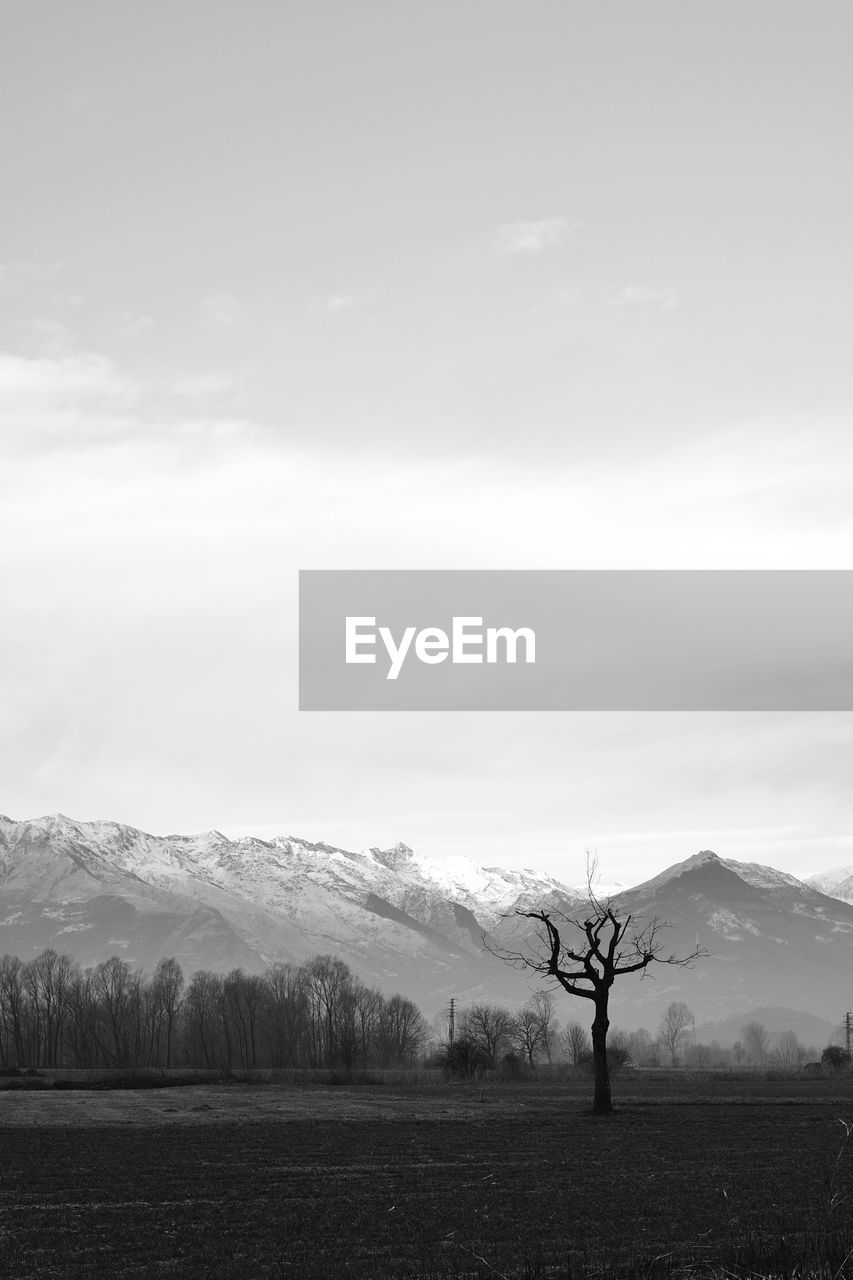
(601, 1104)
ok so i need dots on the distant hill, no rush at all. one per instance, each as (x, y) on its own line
(810, 1030)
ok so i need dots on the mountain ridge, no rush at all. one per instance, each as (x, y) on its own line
(403, 920)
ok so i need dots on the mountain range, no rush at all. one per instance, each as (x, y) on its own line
(407, 922)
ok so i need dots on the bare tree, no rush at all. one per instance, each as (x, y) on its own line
(526, 1033)
(488, 1026)
(52, 975)
(676, 1019)
(402, 1030)
(698, 1055)
(200, 1015)
(12, 1015)
(241, 1010)
(367, 1007)
(603, 946)
(644, 1050)
(83, 1020)
(328, 979)
(755, 1042)
(543, 1003)
(168, 984)
(789, 1054)
(286, 1015)
(576, 1042)
(114, 990)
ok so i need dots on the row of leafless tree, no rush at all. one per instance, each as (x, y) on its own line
(487, 1033)
(755, 1047)
(54, 1013)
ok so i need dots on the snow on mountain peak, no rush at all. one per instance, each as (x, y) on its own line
(837, 883)
(700, 859)
(753, 874)
(762, 877)
(56, 821)
(398, 856)
(705, 858)
(831, 879)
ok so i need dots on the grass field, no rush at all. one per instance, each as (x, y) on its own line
(691, 1176)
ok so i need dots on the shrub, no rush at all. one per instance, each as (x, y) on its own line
(465, 1058)
(618, 1057)
(835, 1057)
(513, 1067)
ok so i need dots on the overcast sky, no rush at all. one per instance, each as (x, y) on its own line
(397, 285)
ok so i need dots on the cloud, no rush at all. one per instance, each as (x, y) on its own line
(533, 237)
(334, 304)
(560, 301)
(641, 295)
(73, 300)
(202, 386)
(21, 273)
(219, 310)
(54, 337)
(128, 325)
(62, 403)
(85, 374)
(61, 399)
(99, 663)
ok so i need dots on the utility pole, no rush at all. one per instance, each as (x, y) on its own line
(848, 1030)
(451, 1022)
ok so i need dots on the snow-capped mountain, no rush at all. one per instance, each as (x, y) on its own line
(838, 883)
(775, 940)
(95, 889)
(404, 921)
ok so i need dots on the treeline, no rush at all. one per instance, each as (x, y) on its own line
(487, 1035)
(53, 1013)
